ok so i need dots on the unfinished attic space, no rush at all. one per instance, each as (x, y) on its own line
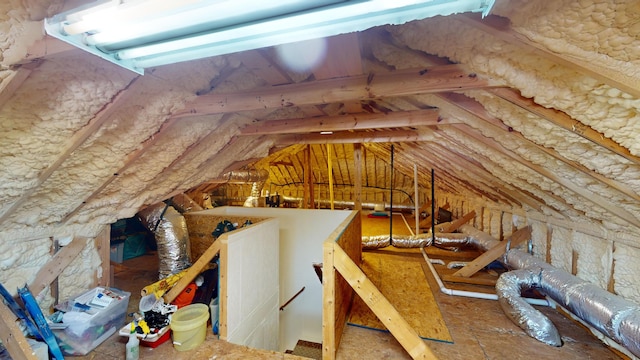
(427, 179)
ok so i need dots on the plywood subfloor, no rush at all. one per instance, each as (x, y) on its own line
(402, 281)
(479, 329)
(381, 226)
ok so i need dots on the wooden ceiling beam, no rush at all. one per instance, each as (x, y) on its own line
(477, 111)
(566, 122)
(348, 137)
(346, 122)
(567, 183)
(360, 87)
(501, 28)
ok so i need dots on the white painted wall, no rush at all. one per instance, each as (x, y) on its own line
(253, 286)
(301, 235)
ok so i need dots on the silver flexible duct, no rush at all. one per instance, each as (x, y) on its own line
(172, 237)
(613, 316)
(415, 241)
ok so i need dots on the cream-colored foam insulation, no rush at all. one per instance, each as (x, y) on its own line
(605, 109)
(64, 93)
(594, 258)
(627, 268)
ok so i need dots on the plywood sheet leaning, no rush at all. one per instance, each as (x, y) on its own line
(380, 305)
(402, 281)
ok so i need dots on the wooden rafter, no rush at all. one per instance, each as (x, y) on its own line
(360, 121)
(361, 87)
(445, 173)
(76, 140)
(523, 196)
(19, 76)
(500, 28)
(563, 120)
(476, 110)
(567, 183)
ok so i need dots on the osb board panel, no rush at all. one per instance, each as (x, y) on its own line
(350, 241)
(403, 283)
(380, 225)
(200, 227)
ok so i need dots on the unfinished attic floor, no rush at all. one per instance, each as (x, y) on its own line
(479, 328)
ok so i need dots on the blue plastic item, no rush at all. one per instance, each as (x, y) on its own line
(17, 310)
(34, 310)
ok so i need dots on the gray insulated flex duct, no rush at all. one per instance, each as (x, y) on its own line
(613, 316)
(415, 241)
(172, 237)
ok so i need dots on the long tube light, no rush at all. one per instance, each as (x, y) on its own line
(139, 34)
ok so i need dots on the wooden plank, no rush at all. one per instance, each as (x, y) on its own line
(398, 326)
(12, 337)
(103, 245)
(457, 223)
(357, 181)
(360, 87)
(348, 137)
(362, 121)
(566, 122)
(400, 278)
(495, 252)
(194, 270)
(56, 265)
(469, 280)
(329, 346)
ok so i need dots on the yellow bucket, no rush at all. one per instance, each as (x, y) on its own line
(189, 326)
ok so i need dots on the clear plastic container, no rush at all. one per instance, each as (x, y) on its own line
(99, 324)
(189, 326)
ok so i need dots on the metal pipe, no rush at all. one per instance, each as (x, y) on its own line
(433, 208)
(416, 205)
(469, 294)
(330, 169)
(391, 197)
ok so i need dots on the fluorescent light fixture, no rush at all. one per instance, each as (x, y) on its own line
(326, 132)
(139, 34)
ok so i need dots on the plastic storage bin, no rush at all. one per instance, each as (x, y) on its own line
(91, 318)
(189, 326)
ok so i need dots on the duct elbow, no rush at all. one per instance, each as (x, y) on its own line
(532, 321)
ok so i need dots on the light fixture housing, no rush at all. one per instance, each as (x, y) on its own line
(139, 34)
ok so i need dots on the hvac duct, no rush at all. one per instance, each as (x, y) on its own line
(170, 230)
(610, 314)
(256, 176)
